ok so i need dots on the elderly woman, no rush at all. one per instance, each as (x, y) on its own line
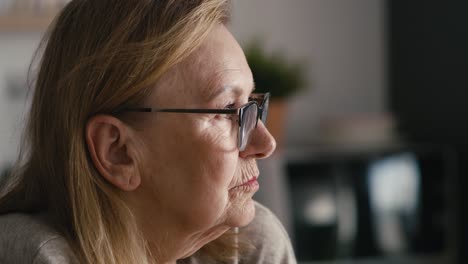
(141, 143)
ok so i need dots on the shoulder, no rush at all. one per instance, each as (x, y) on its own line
(265, 239)
(30, 239)
(268, 237)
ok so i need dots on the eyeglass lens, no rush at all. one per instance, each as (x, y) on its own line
(264, 112)
(249, 121)
(248, 124)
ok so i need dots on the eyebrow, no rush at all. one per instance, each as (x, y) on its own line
(220, 89)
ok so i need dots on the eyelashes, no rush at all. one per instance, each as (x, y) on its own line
(234, 102)
(230, 106)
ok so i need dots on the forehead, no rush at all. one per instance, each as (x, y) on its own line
(217, 66)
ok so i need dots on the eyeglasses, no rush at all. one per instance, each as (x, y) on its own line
(248, 114)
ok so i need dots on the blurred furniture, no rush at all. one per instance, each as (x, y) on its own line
(24, 22)
(28, 15)
(395, 204)
(428, 62)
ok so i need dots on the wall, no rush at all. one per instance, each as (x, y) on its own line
(16, 51)
(343, 43)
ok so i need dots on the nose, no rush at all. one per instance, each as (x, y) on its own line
(261, 143)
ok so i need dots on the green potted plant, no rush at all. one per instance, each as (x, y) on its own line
(273, 73)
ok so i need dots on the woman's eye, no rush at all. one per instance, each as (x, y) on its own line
(230, 106)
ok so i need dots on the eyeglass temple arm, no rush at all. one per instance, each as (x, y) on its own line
(178, 110)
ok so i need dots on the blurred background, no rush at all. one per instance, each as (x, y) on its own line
(373, 145)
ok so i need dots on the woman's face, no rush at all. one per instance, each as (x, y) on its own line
(193, 174)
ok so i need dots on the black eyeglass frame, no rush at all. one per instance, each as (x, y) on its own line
(261, 100)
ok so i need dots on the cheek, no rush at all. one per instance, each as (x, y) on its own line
(222, 133)
(192, 171)
(202, 197)
(212, 172)
(219, 156)
(210, 154)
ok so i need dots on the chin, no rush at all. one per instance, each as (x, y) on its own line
(242, 214)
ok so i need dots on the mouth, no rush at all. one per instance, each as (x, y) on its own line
(250, 181)
(248, 185)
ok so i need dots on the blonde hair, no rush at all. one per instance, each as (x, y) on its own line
(98, 56)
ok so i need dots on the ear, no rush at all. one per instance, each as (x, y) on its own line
(110, 146)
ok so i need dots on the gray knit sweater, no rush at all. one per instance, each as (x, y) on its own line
(29, 239)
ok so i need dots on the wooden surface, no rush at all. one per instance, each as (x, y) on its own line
(25, 22)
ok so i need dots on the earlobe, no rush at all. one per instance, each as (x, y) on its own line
(109, 145)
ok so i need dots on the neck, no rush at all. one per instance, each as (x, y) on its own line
(169, 239)
(172, 246)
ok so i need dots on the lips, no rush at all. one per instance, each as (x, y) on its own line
(249, 185)
(250, 181)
